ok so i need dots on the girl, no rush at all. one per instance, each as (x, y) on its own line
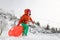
(24, 20)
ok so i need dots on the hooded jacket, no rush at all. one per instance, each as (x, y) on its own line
(26, 17)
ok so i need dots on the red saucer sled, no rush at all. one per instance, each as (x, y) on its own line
(15, 31)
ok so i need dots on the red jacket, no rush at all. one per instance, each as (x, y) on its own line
(26, 17)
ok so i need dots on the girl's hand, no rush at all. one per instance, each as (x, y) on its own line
(33, 22)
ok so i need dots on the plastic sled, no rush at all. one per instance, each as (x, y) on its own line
(15, 31)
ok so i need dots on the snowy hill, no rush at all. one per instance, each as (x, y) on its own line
(37, 36)
(31, 36)
(35, 32)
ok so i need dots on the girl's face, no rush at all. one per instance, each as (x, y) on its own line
(29, 13)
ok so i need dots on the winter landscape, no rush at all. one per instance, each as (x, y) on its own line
(36, 32)
(46, 13)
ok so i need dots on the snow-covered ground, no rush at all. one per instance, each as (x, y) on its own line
(31, 36)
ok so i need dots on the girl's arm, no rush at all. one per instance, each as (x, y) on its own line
(20, 21)
(32, 20)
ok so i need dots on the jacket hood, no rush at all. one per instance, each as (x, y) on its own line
(26, 11)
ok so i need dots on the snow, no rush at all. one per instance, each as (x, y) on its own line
(38, 36)
(30, 36)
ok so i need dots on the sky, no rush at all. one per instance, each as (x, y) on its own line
(44, 11)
